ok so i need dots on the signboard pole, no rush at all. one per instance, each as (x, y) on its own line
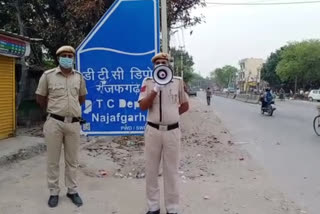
(164, 26)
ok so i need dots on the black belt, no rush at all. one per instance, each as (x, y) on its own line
(164, 127)
(58, 117)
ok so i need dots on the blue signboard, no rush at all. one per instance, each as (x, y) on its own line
(114, 59)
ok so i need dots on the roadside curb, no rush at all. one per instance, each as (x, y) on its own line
(246, 98)
(20, 148)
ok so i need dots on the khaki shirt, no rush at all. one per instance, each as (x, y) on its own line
(172, 96)
(62, 91)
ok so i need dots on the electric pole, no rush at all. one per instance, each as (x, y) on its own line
(164, 26)
(182, 63)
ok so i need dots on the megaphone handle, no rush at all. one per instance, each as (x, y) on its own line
(160, 105)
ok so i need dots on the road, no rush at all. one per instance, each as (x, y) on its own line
(285, 144)
(214, 178)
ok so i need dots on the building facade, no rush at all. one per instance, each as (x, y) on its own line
(12, 47)
(249, 77)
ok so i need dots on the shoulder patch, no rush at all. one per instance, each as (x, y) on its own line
(143, 88)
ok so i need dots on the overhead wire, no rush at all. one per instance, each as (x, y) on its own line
(261, 3)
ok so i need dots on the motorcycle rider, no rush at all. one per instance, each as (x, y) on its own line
(267, 98)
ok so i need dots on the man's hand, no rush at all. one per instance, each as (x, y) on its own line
(82, 99)
(42, 101)
(184, 107)
(146, 102)
(157, 87)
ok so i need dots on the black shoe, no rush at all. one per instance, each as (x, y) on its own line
(154, 212)
(75, 198)
(53, 200)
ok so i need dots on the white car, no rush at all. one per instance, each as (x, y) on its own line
(314, 95)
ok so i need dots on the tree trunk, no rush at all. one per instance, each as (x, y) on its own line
(295, 85)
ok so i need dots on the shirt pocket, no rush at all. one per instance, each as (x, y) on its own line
(57, 90)
(174, 97)
(75, 88)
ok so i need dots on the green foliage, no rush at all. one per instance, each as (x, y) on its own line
(183, 61)
(268, 71)
(8, 18)
(301, 61)
(48, 64)
(200, 82)
(179, 13)
(224, 76)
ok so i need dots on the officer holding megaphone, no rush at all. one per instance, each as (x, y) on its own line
(165, 98)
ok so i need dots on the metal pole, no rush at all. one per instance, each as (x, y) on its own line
(164, 26)
(182, 63)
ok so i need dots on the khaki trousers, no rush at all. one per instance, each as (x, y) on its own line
(166, 143)
(58, 133)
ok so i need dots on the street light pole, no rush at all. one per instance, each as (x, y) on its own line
(164, 26)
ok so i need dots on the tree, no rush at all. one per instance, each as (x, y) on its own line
(200, 82)
(8, 19)
(225, 76)
(268, 71)
(179, 13)
(60, 22)
(183, 61)
(300, 61)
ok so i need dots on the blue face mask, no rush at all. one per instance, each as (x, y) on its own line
(66, 62)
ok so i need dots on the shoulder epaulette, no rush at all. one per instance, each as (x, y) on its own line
(50, 71)
(176, 77)
(78, 72)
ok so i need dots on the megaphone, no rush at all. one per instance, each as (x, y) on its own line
(162, 74)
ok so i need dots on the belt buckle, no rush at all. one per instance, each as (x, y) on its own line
(68, 119)
(163, 128)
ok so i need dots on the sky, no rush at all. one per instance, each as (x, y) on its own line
(231, 33)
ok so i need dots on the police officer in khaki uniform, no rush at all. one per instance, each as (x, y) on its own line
(162, 137)
(61, 91)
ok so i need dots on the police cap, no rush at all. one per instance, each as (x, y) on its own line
(164, 56)
(67, 49)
